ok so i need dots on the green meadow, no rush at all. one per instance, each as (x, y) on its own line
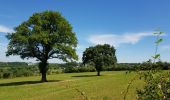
(72, 86)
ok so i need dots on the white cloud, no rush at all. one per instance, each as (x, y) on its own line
(5, 29)
(80, 50)
(116, 40)
(3, 46)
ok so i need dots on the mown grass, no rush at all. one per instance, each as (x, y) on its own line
(73, 86)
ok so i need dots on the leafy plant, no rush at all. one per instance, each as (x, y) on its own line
(100, 56)
(156, 88)
(157, 84)
(43, 36)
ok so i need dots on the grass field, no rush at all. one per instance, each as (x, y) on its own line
(68, 86)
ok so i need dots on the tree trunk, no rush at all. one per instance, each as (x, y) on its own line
(43, 67)
(43, 77)
(98, 73)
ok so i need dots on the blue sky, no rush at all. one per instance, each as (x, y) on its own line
(125, 24)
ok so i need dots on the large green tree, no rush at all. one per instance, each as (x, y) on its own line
(99, 56)
(43, 36)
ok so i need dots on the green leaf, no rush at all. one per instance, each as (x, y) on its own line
(156, 56)
(168, 90)
(159, 41)
(161, 32)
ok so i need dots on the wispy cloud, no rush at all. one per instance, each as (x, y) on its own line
(3, 47)
(117, 40)
(5, 29)
(165, 47)
(80, 49)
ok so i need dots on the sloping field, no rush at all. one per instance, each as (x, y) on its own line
(74, 86)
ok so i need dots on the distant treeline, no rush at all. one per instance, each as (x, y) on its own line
(18, 69)
(13, 64)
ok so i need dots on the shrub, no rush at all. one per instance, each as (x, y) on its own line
(156, 88)
(7, 75)
(79, 69)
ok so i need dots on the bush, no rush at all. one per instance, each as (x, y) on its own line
(125, 66)
(28, 73)
(79, 69)
(148, 65)
(156, 88)
(1, 75)
(7, 75)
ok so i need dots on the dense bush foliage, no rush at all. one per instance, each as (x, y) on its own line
(79, 69)
(126, 66)
(148, 65)
(11, 70)
(157, 87)
(12, 64)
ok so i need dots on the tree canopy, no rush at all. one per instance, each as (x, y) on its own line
(99, 56)
(43, 36)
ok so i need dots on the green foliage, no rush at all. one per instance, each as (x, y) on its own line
(18, 71)
(126, 66)
(7, 74)
(12, 64)
(157, 42)
(156, 56)
(157, 84)
(79, 69)
(43, 36)
(99, 56)
(149, 65)
(156, 88)
(55, 69)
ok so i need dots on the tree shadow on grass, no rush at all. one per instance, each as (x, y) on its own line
(85, 76)
(25, 83)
